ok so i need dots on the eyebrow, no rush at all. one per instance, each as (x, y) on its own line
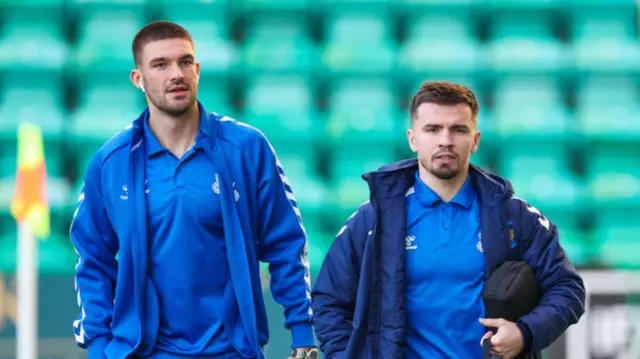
(456, 126)
(162, 59)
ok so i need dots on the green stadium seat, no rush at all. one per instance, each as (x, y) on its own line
(617, 237)
(188, 9)
(348, 166)
(121, 20)
(603, 4)
(424, 51)
(215, 98)
(95, 120)
(541, 174)
(34, 45)
(613, 174)
(279, 44)
(605, 40)
(213, 49)
(573, 238)
(40, 105)
(309, 189)
(363, 111)
(282, 107)
(530, 107)
(609, 108)
(412, 6)
(359, 42)
(208, 24)
(524, 44)
(522, 5)
(32, 6)
(273, 5)
(577, 246)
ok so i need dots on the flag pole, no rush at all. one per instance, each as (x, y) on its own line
(30, 208)
(27, 323)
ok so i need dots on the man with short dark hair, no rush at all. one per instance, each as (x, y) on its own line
(175, 214)
(405, 276)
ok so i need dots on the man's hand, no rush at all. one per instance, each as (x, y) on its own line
(307, 349)
(507, 342)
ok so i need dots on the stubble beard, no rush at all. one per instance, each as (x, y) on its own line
(174, 111)
(445, 172)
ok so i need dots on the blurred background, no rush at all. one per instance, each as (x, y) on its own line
(329, 82)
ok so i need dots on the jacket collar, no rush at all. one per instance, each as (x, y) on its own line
(396, 178)
(208, 129)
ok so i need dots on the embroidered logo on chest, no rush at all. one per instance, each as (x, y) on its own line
(216, 187)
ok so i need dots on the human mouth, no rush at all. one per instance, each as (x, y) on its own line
(179, 90)
(446, 156)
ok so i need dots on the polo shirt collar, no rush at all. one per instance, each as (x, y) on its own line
(154, 147)
(429, 198)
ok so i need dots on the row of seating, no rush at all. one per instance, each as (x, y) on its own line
(280, 5)
(366, 41)
(365, 110)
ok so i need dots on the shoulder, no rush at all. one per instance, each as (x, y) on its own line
(237, 133)
(361, 222)
(530, 216)
(113, 149)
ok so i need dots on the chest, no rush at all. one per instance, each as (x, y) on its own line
(173, 190)
(444, 242)
(186, 188)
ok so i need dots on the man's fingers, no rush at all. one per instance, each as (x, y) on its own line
(488, 335)
(492, 323)
(496, 341)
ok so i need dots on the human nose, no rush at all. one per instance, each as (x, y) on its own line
(445, 138)
(176, 72)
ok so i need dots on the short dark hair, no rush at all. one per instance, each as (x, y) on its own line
(155, 31)
(444, 93)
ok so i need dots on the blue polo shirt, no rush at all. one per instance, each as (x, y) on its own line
(188, 260)
(444, 274)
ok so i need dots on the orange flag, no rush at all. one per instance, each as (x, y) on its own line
(30, 203)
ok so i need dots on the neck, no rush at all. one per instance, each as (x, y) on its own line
(445, 189)
(178, 134)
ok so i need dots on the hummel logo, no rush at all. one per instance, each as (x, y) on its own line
(409, 243)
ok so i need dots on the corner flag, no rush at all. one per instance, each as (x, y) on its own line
(30, 204)
(30, 208)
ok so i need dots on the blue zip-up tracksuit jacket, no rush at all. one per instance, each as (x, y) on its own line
(118, 303)
(358, 297)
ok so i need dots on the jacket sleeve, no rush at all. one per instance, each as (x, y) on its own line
(335, 290)
(283, 245)
(563, 295)
(96, 246)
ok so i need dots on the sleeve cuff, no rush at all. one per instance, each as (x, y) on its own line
(302, 336)
(96, 348)
(527, 337)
